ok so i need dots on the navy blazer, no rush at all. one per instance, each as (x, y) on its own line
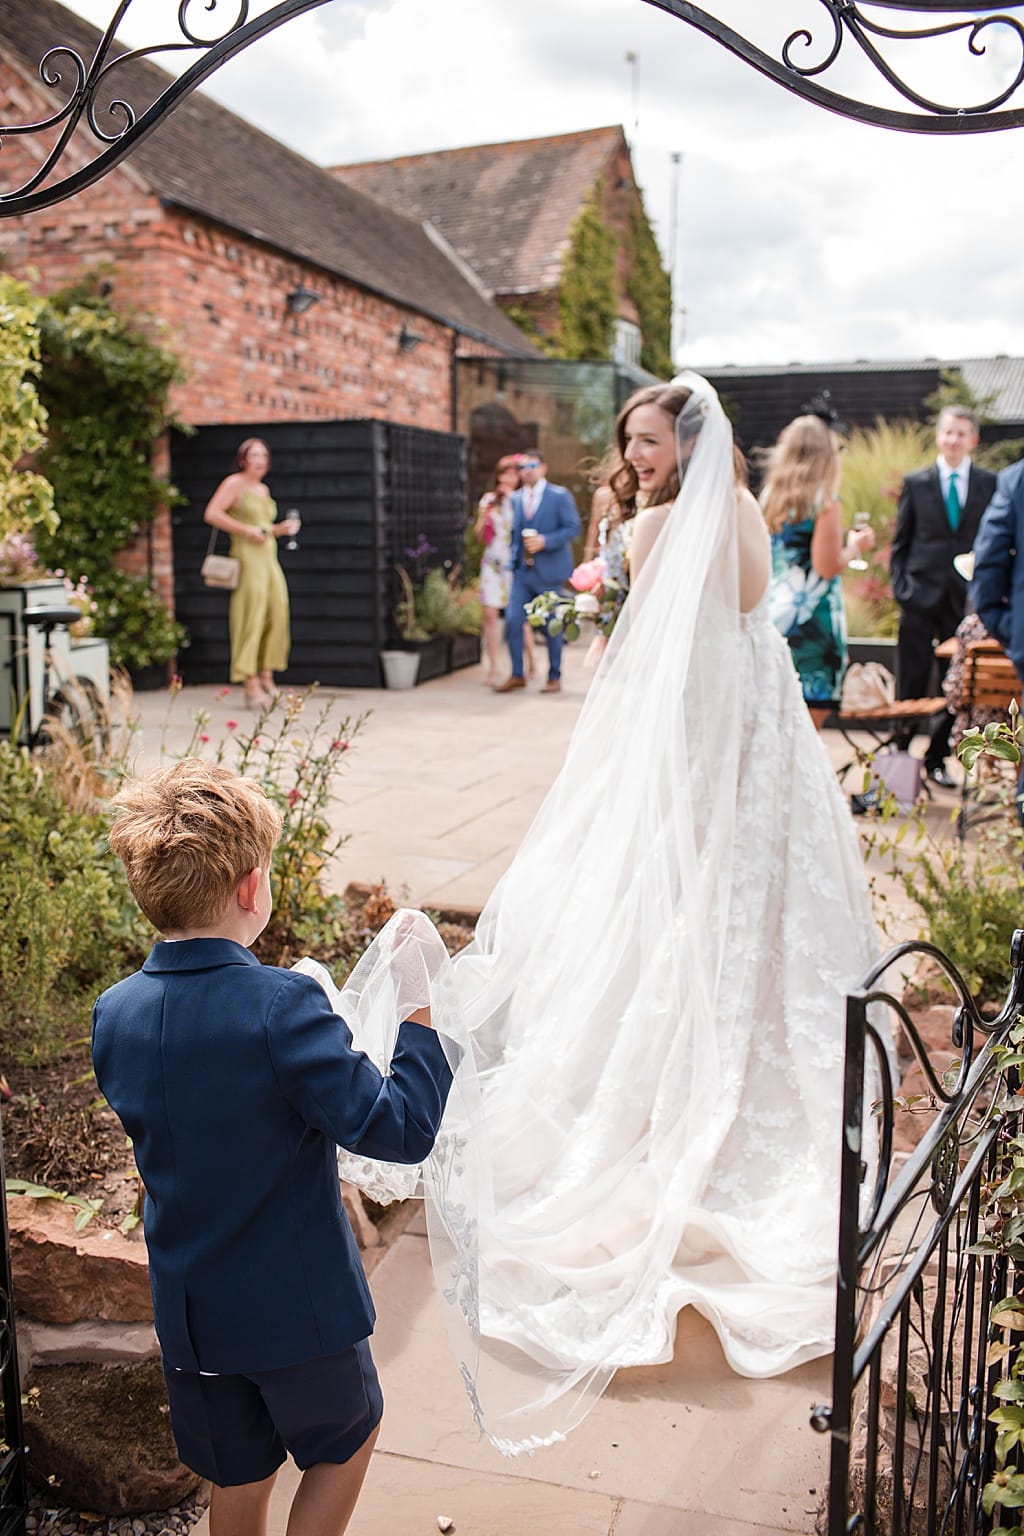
(921, 565)
(997, 589)
(236, 1083)
(557, 519)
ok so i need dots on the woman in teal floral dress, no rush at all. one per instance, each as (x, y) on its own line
(800, 501)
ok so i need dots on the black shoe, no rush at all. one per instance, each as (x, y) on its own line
(861, 805)
(941, 776)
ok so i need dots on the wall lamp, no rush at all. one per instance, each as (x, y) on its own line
(408, 340)
(300, 299)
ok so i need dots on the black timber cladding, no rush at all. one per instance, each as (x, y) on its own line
(366, 491)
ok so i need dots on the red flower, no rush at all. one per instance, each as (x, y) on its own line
(204, 737)
(339, 746)
(232, 725)
(293, 796)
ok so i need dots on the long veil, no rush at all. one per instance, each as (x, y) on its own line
(602, 1018)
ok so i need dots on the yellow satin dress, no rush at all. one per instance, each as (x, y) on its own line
(260, 634)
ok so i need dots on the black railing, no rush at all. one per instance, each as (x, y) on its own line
(914, 1372)
(13, 1493)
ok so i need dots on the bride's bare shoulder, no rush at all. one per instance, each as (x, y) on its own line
(754, 550)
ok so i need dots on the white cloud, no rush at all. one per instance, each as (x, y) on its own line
(800, 235)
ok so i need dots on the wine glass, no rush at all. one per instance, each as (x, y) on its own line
(860, 520)
(292, 515)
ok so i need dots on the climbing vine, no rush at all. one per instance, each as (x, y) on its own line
(105, 384)
(26, 499)
(650, 288)
(587, 299)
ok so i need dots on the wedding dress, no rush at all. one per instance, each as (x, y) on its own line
(649, 1023)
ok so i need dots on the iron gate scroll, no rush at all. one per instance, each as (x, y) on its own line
(914, 1374)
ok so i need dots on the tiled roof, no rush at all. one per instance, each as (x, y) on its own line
(207, 160)
(1002, 378)
(999, 381)
(506, 208)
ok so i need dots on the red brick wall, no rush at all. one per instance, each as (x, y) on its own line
(218, 299)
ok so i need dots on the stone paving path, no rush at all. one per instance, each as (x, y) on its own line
(437, 794)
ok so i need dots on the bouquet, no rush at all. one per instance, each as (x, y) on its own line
(596, 598)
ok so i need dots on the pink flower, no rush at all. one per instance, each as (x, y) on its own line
(293, 796)
(339, 746)
(224, 693)
(232, 725)
(204, 737)
(587, 576)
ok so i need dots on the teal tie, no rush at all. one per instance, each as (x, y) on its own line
(953, 507)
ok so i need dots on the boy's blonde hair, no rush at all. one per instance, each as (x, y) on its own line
(186, 835)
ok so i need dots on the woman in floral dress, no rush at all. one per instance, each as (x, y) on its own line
(494, 528)
(801, 506)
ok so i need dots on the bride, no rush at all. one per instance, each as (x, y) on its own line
(650, 1018)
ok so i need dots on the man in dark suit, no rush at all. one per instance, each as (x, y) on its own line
(938, 517)
(545, 522)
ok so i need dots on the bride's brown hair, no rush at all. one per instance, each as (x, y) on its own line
(670, 398)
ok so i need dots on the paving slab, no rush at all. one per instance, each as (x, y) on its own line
(440, 787)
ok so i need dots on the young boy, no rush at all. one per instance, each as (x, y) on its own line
(236, 1083)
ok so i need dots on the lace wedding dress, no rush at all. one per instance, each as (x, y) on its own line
(650, 1020)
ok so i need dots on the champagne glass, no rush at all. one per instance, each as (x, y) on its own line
(292, 515)
(860, 520)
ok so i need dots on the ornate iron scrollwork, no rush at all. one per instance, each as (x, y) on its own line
(808, 52)
(88, 92)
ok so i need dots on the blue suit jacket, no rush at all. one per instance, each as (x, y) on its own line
(236, 1082)
(997, 590)
(557, 519)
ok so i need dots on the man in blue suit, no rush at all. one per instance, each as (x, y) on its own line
(997, 587)
(545, 522)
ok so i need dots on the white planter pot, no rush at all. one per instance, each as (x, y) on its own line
(400, 668)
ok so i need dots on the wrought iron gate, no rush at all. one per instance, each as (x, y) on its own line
(13, 1494)
(919, 1354)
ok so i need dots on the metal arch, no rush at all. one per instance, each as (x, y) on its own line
(845, 22)
(125, 129)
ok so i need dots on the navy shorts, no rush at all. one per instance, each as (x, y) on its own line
(238, 1429)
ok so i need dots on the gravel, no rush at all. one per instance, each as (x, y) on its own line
(43, 1520)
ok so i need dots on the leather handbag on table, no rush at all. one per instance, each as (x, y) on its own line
(219, 570)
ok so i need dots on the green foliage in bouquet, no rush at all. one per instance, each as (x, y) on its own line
(566, 615)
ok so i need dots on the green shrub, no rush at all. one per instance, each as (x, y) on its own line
(968, 895)
(68, 925)
(875, 460)
(139, 630)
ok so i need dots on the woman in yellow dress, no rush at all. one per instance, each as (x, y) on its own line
(242, 506)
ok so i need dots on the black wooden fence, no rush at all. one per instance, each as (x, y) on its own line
(919, 1353)
(368, 492)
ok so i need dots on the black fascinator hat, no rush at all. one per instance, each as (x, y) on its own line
(820, 405)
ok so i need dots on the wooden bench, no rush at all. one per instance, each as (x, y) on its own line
(990, 682)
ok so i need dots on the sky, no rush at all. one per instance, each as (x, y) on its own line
(799, 236)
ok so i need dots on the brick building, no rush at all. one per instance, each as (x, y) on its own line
(509, 211)
(286, 293)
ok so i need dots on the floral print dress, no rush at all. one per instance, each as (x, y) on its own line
(807, 609)
(495, 574)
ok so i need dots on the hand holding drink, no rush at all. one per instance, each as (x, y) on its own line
(861, 539)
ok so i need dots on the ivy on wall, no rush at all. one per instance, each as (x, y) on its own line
(650, 288)
(105, 385)
(26, 498)
(587, 298)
